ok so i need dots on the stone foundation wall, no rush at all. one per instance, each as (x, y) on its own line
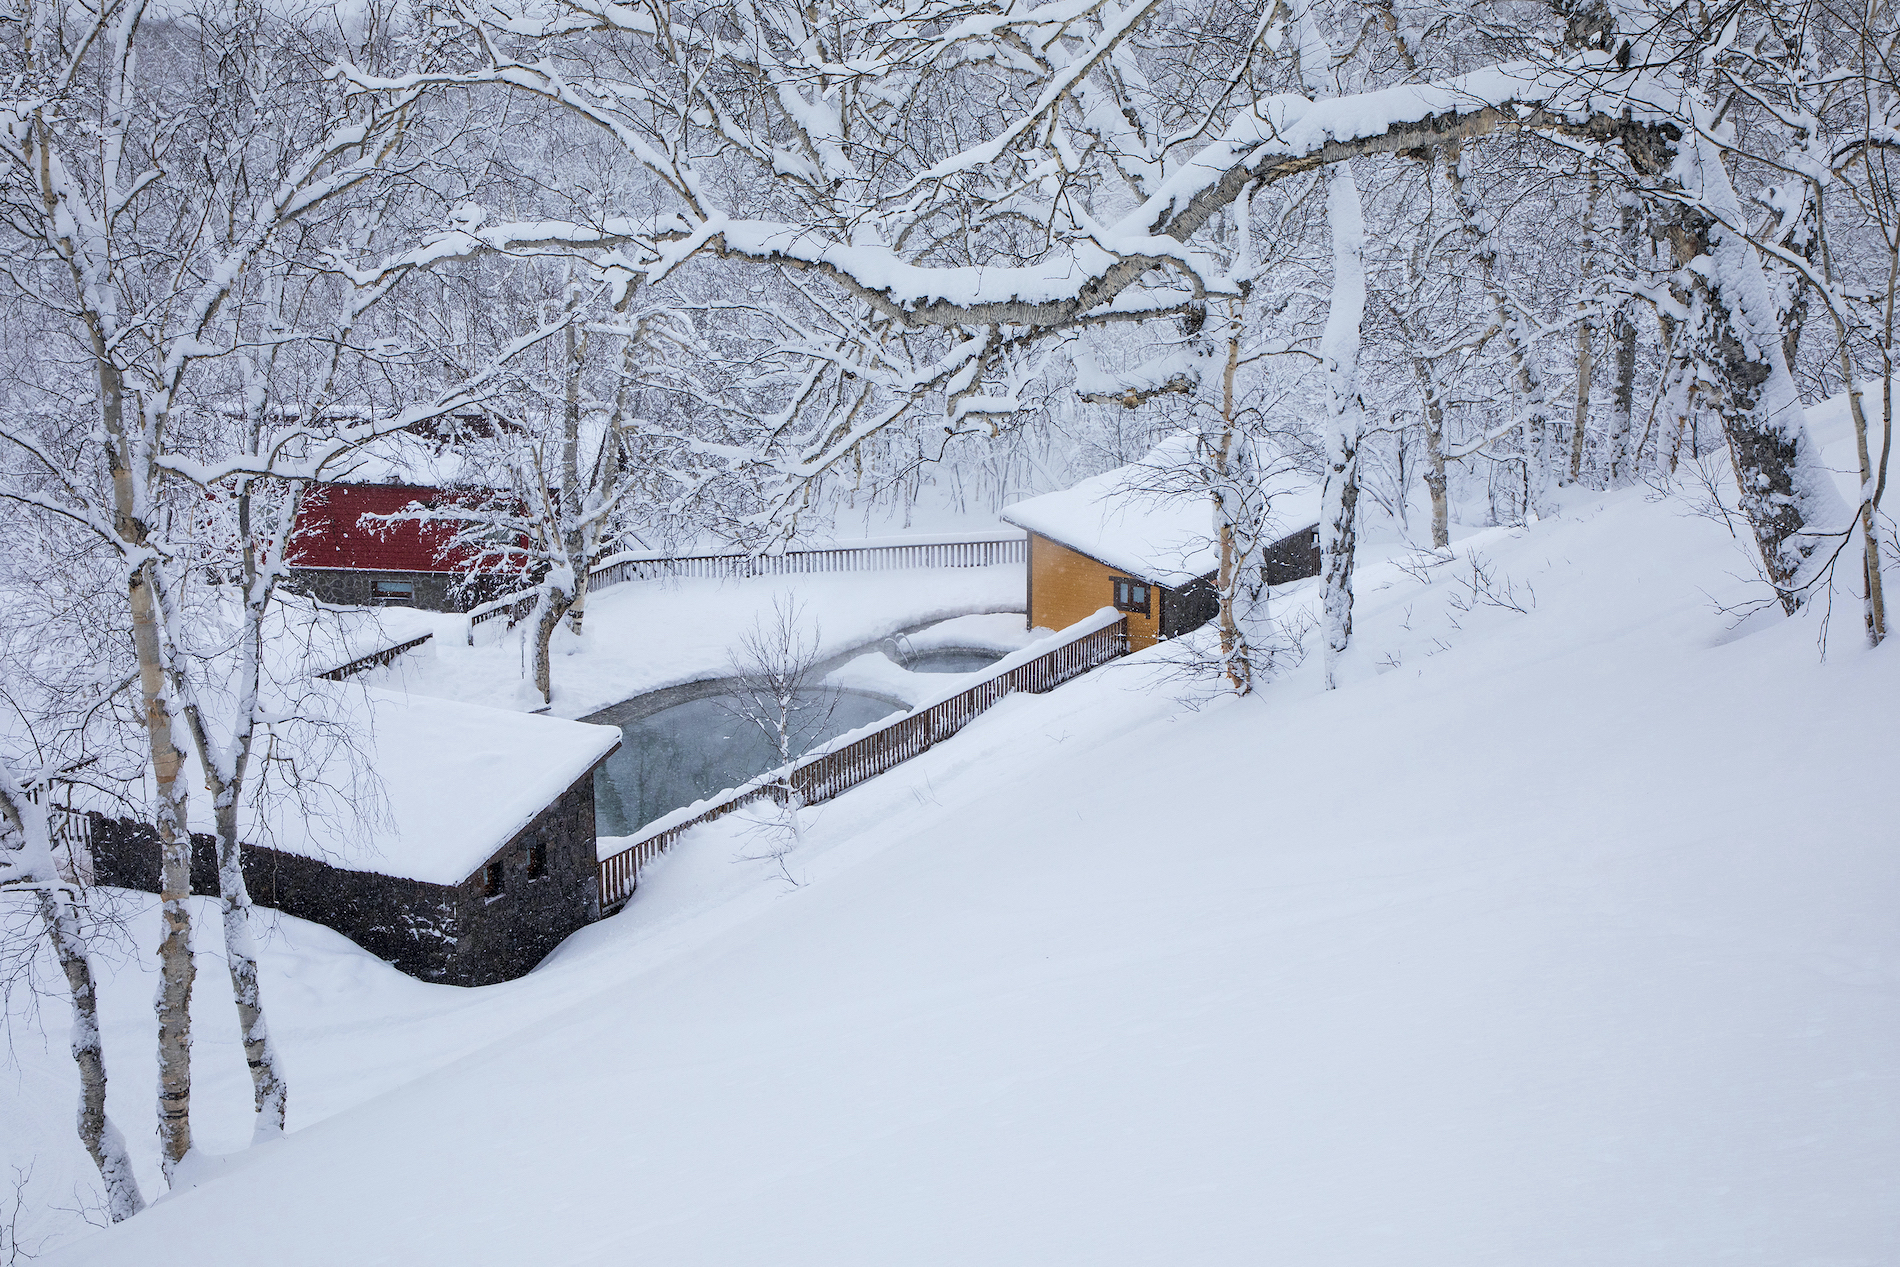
(435, 591)
(510, 932)
(452, 934)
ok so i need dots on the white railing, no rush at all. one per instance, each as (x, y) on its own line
(887, 554)
(874, 554)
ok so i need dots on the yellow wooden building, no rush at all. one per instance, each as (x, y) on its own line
(1107, 542)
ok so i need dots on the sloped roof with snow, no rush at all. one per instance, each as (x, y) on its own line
(1165, 538)
(331, 530)
(452, 782)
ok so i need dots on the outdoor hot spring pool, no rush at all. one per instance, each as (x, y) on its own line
(688, 751)
(951, 660)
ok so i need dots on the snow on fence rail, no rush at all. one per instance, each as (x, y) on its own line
(852, 758)
(374, 659)
(888, 554)
(514, 607)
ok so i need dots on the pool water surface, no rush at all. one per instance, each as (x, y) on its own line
(689, 751)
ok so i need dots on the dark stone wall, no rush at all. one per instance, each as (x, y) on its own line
(453, 934)
(407, 922)
(503, 936)
(435, 591)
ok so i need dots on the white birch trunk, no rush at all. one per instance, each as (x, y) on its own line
(1345, 412)
(1787, 493)
(1536, 417)
(1618, 460)
(31, 864)
(1586, 336)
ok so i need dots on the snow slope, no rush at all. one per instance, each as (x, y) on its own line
(1556, 936)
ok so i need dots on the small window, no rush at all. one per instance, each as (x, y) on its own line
(537, 860)
(1131, 596)
(494, 879)
(398, 593)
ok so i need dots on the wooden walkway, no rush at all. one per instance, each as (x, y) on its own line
(825, 774)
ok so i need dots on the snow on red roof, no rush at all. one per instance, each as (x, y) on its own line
(331, 533)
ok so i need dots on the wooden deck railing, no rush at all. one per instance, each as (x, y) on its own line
(373, 659)
(515, 607)
(890, 556)
(944, 552)
(826, 774)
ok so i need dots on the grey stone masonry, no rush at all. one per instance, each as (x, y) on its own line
(477, 932)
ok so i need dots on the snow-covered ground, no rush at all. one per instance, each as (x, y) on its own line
(1555, 936)
(644, 635)
(1562, 933)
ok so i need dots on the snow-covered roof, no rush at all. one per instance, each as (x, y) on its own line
(1165, 538)
(452, 783)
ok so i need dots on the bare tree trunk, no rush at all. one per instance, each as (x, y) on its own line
(1787, 494)
(547, 620)
(176, 970)
(1529, 370)
(1623, 335)
(1435, 478)
(102, 1139)
(1586, 334)
(36, 868)
(573, 530)
(225, 772)
(269, 1091)
(562, 516)
(1874, 597)
(1339, 500)
(1237, 590)
(1872, 481)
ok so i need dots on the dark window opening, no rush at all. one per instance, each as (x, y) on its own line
(1132, 596)
(396, 592)
(494, 876)
(537, 861)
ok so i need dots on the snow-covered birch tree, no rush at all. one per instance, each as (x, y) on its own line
(209, 260)
(29, 866)
(900, 250)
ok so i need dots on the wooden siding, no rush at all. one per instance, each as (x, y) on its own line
(1066, 586)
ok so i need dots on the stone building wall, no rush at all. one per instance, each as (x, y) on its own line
(434, 591)
(509, 932)
(348, 587)
(452, 934)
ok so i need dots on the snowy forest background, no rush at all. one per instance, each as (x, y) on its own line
(671, 274)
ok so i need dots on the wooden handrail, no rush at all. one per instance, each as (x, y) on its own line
(825, 775)
(985, 551)
(373, 659)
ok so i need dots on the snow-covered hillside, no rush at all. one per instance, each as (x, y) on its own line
(1562, 935)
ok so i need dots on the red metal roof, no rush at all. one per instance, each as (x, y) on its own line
(330, 532)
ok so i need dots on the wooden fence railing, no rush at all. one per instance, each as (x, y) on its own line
(964, 552)
(890, 556)
(514, 607)
(826, 774)
(374, 659)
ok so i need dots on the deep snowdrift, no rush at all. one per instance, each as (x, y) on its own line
(1562, 935)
